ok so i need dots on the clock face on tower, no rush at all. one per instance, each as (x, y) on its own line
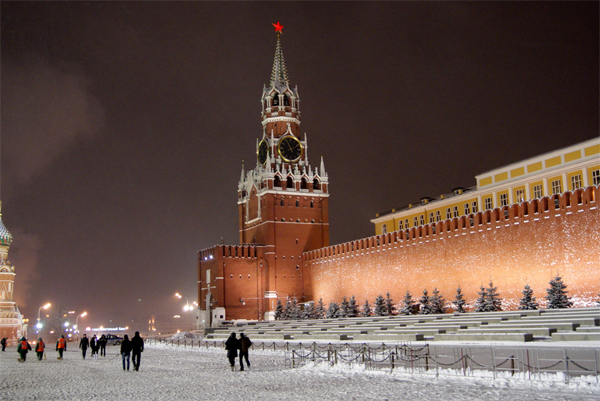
(290, 149)
(263, 151)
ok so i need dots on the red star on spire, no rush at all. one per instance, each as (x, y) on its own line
(278, 27)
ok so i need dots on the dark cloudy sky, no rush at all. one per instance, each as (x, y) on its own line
(124, 125)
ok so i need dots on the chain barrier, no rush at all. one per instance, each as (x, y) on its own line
(403, 355)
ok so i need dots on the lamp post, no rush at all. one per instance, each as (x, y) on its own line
(77, 322)
(187, 307)
(39, 323)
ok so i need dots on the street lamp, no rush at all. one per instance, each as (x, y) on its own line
(77, 319)
(39, 324)
(187, 307)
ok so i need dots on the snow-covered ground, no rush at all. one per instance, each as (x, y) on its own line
(177, 373)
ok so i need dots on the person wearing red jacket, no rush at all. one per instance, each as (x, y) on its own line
(39, 349)
(61, 345)
(22, 348)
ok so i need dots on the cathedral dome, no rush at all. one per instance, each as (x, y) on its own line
(5, 235)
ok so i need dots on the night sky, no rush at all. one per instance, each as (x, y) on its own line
(124, 125)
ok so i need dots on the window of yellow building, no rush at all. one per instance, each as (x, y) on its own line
(503, 201)
(538, 191)
(556, 187)
(520, 195)
(488, 203)
(474, 205)
(575, 182)
(596, 177)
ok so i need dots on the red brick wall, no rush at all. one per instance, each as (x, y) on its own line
(523, 247)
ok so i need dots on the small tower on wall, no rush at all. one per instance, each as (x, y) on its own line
(283, 201)
(11, 323)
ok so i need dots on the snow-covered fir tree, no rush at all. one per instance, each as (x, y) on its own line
(379, 308)
(527, 302)
(480, 303)
(557, 295)
(287, 310)
(493, 300)
(407, 304)
(459, 303)
(353, 310)
(295, 312)
(425, 306)
(366, 309)
(279, 310)
(332, 311)
(389, 305)
(437, 302)
(309, 311)
(320, 309)
(344, 306)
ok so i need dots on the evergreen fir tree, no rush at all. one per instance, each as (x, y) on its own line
(389, 305)
(295, 312)
(320, 310)
(366, 309)
(279, 310)
(287, 311)
(437, 302)
(480, 303)
(344, 307)
(309, 311)
(459, 303)
(425, 308)
(528, 300)
(353, 307)
(493, 300)
(332, 311)
(557, 294)
(379, 308)
(407, 304)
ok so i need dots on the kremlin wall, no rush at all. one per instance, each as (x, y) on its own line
(527, 243)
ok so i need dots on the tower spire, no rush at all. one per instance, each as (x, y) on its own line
(279, 75)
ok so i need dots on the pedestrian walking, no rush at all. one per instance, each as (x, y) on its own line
(3, 342)
(61, 345)
(102, 343)
(94, 346)
(83, 345)
(232, 345)
(125, 350)
(22, 348)
(39, 349)
(137, 347)
(245, 344)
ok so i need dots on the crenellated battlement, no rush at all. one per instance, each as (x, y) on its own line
(548, 207)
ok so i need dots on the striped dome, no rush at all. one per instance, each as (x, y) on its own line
(5, 235)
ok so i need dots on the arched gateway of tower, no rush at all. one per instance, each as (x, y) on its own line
(283, 212)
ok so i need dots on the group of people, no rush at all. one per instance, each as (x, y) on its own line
(129, 348)
(233, 344)
(95, 344)
(133, 348)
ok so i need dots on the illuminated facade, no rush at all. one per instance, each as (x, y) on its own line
(553, 173)
(11, 322)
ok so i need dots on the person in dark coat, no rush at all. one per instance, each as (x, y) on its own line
(102, 341)
(22, 348)
(245, 344)
(39, 349)
(125, 350)
(3, 342)
(94, 346)
(84, 344)
(232, 345)
(137, 347)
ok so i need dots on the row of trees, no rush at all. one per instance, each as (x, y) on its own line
(488, 300)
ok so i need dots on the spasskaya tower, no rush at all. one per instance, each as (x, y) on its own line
(283, 212)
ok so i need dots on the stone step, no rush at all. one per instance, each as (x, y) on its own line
(576, 336)
(540, 331)
(521, 337)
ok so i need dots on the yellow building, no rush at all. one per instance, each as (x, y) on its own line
(566, 169)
